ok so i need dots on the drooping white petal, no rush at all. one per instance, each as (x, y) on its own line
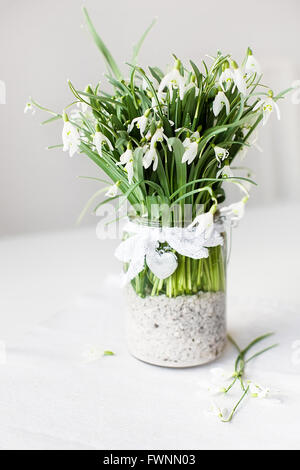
(215, 410)
(98, 140)
(127, 160)
(252, 66)
(220, 154)
(204, 224)
(29, 108)
(140, 122)
(257, 391)
(191, 150)
(240, 82)
(71, 138)
(150, 157)
(112, 191)
(235, 211)
(129, 169)
(267, 105)
(172, 80)
(220, 101)
(225, 172)
(226, 79)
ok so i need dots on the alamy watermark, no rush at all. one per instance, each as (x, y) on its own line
(112, 217)
(2, 92)
(295, 358)
(3, 358)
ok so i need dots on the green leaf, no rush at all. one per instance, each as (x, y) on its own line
(181, 168)
(54, 118)
(137, 47)
(110, 62)
(89, 203)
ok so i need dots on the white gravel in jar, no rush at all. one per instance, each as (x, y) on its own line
(181, 331)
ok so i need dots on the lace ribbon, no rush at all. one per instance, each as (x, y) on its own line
(144, 245)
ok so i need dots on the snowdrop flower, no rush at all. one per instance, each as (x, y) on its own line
(257, 391)
(204, 223)
(172, 80)
(158, 136)
(99, 139)
(267, 105)
(92, 353)
(220, 101)
(226, 79)
(226, 172)
(239, 80)
(215, 410)
(220, 154)
(127, 160)
(235, 211)
(191, 85)
(218, 381)
(113, 190)
(70, 137)
(149, 157)
(83, 106)
(191, 148)
(29, 108)
(140, 122)
(252, 66)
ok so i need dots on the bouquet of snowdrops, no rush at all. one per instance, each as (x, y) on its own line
(169, 139)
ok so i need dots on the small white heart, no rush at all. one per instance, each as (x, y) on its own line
(162, 264)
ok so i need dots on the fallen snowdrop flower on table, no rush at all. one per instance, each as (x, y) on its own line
(217, 411)
(94, 353)
(218, 382)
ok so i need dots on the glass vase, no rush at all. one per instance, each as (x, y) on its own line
(179, 321)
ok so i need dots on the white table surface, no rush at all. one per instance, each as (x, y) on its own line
(56, 295)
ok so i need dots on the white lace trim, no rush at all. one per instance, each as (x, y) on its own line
(144, 245)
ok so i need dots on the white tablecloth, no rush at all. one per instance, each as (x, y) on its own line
(51, 399)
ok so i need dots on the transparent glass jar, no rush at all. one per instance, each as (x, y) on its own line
(178, 321)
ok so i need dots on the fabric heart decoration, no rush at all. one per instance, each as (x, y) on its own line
(162, 263)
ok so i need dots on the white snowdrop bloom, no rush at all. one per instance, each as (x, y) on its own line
(92, 353)
(98, 140)
(191, 148)
(113, 190)
(220, 154)
(126, 159)
(140, 122)
(218, 382)
(204, 223)
(252, 140)
(151, 157)
(235, 211)
(252, 66)
(267, 106)
(173, 79)
(239, 82)
(158, 136)
(70, 138)
(220, 101)
(215, 410)
(191, 85)
(226, 79)
(225, 171)
(257, 391)
(82, 106)
(29, 108)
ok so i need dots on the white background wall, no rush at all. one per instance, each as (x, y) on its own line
(43, 43)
